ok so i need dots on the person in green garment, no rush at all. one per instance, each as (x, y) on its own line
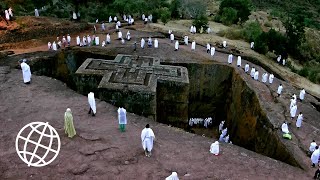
(68, 123)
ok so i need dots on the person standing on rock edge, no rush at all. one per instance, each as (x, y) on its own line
(147, 138)
(279, 90)
(68, 124)
(92, 104)
(214, 148)
(299, 120)
(315, 156)
(122, 117)
(26, 73)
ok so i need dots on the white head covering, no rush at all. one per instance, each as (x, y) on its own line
(173, 176)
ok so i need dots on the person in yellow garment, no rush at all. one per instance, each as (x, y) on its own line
(68, 123)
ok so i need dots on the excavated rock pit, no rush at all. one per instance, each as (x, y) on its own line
(214, 90)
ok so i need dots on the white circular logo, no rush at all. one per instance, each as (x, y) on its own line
(38, 144)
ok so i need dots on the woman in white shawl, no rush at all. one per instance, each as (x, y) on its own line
(147, 138)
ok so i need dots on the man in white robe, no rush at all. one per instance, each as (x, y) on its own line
(284, 128)
(246, 68)
(208, 48)
(176, 46)
(194, 30)
(239, 61)
(6, 12)
(97, 40)
(103, 44)
(171, 37)
(145, 20)
(224, 44)
(26, 72)
(119, 35)
(54, 46)
(149, 42)
(156, 43)
(226, 139)
(10, 12)
(252, 45)
(173, 176)
(279, 59)
(212, 51)
(186, 39)
(271, 78)
(110, 19)
(253, 70)
(312, 147)
(279, 90)
(294, 96)
(299, 120)
(256, 76)
(147, 138)
(293, 111)
(64, 41)
(193, 45)
(115, 19)
(224, 132)
(128, 36)
(221, 126)
(230, 57)
(302, 94)
(214, 148)
(292, 102)
(103, 27)
(143, 17)
(92, 104)
(191, 29)
(315, 156)
(209, 30)
(283, 62)
(74, 16)
(108, 39)
(36, 13)
(142, 43)
(122, 117)
(265, 77)
(49, 46)
(89, 40)
(122, 41)
(78, 40)
(170, 32)
(119, 24)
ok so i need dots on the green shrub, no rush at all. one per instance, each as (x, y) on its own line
(251, 31)
(242, 7)
(260, 44)
(303, 72)
(165, 15)
(229, 16)
(201, 21)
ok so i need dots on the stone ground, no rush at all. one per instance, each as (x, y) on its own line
(100, 151)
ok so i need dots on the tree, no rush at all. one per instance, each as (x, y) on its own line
(174, 8)
(242, 7)
(201, 21)
(252, 31)
(229, 16)
(165, 15)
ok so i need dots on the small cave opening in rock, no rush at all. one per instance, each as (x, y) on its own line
(213, 90)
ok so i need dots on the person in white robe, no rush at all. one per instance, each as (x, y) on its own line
(78, 40)
(302, 94)
(108, 39)
(224, 132)
(246, 68)
(10, 12)
(279, 59)
(122, 118)
(122, 41)
(208, 48)
(119, 35)
(265, 77)
(149, 42)
(214, 148)
(253, 70)
(312, 146)
(110, 19)
(156, 43)
(293, 111)
(54, 46)
(173, 176)
(194, 30)
(212, 51)
(176, 46)
(89, 40)
(103, 27)
(124, 17)
(221, 138)
(170, 32)
(84, 40)
(271, 77)
(193, 45)
(115, 19)
(36, 13)
(256, 76)
(226, 139)
(142, 43)
(92, 104)
(103, 44)
(145, 20)
(209, 30)
(97, 40)
(128, 36)
(224, 44)
(315, 156)
(239, 61)
(26, 72)
(147, 138)
(74, 16)
(299, 120)
(252, 45)
(230, 57)
(191, 29)
(284, 128)
(143, 17)
(186, 40)
(64, 41)
(283, 62)
(119, 24)
(292, 102)
(68, 39)
(49, 46)
(221, 126)
(171, 37)
(279, 90)
(6, 12)
(294, 96)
